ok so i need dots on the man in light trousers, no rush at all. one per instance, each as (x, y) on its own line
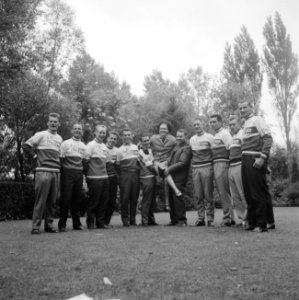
(234, 172)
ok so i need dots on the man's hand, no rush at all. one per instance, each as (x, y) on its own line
(259, 162)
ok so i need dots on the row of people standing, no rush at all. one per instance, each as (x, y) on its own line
(220, 157)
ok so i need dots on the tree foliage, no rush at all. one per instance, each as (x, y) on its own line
(241, 73)
(282, 69)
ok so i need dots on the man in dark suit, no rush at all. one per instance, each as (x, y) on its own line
(178, 168)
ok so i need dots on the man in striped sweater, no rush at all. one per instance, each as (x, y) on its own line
(112, 175)
(127, 159)
(72, 152)
(257, 142)
(46, 144)
(202, 173)
(97, 179)
(222, 141)
(234, 172)
(147, 182)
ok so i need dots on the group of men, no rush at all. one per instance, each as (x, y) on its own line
(236, 162)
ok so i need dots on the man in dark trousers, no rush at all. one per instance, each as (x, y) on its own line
(127, 159)
(147, 182)
(257, 142)
(112, 175)
(178, 168)
(72, 152)
(96, 155)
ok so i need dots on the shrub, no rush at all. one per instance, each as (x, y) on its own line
(292, 194)
(17, 200)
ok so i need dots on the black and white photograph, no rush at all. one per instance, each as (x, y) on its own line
(149, 150)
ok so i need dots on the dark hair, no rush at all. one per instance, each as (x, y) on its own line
(112, 132)
(54, 115)
(234, 117)
(78, 124)
(126, 129)
(218, 117)
(166, 123)
(100, 125)
(144, 134)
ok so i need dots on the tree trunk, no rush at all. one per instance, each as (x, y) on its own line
(19, 153)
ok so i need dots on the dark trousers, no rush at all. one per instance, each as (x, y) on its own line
(256, 191)
(111, 201)
(177, 205)
(148, 186)
(71, 186)
(129, 193)
(98, 195)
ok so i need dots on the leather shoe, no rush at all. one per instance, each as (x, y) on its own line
(50, 230)
(62, 229)
(171, 224)
(260, 229)
(35, 231)
(78, 227)
(271, 226)
(153, 224)
(200, 223)
(103, 227)
(181, 224)
(211, 224)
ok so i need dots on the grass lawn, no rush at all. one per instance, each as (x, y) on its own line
(152, 263)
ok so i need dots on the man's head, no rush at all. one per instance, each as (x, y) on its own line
(53, 122)
(180, 136)
(100, 132)
(112, 139)
(163, 129)
(234, 124)
(77, 131)
(127, 136)
(197, 124)
(215, 122)
(245, 109)
(145, 142)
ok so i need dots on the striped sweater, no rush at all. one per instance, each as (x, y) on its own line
(146, 164)
(235, 151)
(201, 146)
(257, 137)
(96, 156)
(222, 141)
(127, 158)
(47, 147)
(72, 152)
(111, 161)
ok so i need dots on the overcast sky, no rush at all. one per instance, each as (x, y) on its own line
(133, 37)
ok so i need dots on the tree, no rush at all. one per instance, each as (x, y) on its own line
(281, 65)
(56, 40)
(196, 87)
(17, 18)
(241, 73)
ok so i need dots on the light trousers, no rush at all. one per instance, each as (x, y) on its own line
(203, 191)
(237, 191)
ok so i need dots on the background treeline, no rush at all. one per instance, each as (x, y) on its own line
(44, 67)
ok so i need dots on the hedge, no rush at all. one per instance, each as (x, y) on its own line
(17, 200)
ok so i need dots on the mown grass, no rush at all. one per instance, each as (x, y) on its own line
(152, 263)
